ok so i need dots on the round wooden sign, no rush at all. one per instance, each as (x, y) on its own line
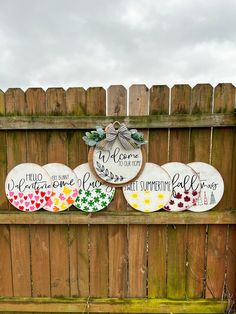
(151, 191)
(93, 195)
(118, 166)
(212, 186)
(28, 187)
(185, 186)
(64, 187)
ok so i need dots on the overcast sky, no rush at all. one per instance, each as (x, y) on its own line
(103, 42)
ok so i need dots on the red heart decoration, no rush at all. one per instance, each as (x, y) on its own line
(42, 194)
(32, 202)
(41, 200)
(21, 207)
(37, 191)
(11, 200)
(25, 197)
(15, 197)
(47, 198)
(38, 205)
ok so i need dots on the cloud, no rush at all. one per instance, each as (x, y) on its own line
(90, 43)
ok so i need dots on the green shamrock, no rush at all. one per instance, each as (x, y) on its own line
(84, 200)
(91, 203)
(98, 191)
(96, 199)
(104, 204)
(103, 195)
(88, 193)
(80, 192)
(86, 208)
(94, 209)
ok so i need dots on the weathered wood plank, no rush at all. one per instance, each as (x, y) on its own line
(39, 240)
(78, 235)
(19, 235)
(57, 151)
(222, 159)
(58, 122)
(200, 142)
(137, 234)
(117, 234)
(98, 235)
(157, 235)
(112, 305)
(108, 217)
(177, 235)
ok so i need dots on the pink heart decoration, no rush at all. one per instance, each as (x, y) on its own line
(11, 193)
(20, 194)
(16, 203)
(27, 204)
(21, 201)
(49, 192)
(30, 195)
(36, 197)
(31, 207)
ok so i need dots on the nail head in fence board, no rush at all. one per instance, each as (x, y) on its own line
(201, 102)
(117, 234)
(224, 101)
(78, 235)
(6, 288)
(177, 236)
(16, 152)
(157, 235)
(39, 239)
(96, 105)
(57, 151)
(137, 235)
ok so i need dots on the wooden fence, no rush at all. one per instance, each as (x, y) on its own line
(119, 260)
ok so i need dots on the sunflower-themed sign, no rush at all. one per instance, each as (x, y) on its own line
(116, 156)
(151, 191)
(28, 187)
(93, 196)
(64, 187)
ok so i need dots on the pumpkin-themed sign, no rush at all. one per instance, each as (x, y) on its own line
(151, 191)
(28, 187)
(212, 186)
(185, 186)
(64, 187)
(93, 196)
(117, 157)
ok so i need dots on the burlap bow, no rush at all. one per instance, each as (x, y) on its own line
(123, 135)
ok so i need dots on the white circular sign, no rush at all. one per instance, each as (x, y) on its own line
(185, 186)
(28, 187)
(151, 191)
(93, 195)
(117, 166)
(212, 186)
(64, 187)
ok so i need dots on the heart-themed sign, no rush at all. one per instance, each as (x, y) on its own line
(93, 195)
(151, 191)
(185, 186)
(118, 166)
(28, 187)
(212, 186)
(64, 187)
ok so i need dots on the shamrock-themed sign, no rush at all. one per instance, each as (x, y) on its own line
(151, 191)
(212, 186)
(28, 187)
(117, 157)
(185, 186)
(64, 187)
(93, 195)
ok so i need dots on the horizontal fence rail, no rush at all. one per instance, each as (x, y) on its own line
(89, 122)
(118, 218)
(111, 305)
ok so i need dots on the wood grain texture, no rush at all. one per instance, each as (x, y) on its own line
(177, 235)
(20, 237)
(39, 237)
(117, 234)
(57, 151)
(96, 104)
(157, 235)
(222, 159)
(200, 143)
(78, 235)
(137, 235)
